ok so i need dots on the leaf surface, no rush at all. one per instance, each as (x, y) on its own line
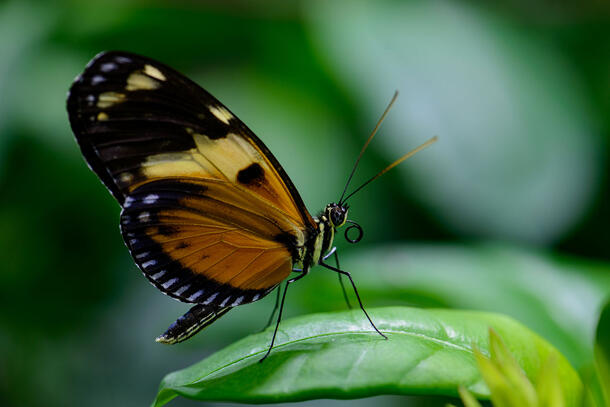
(337, 355)
(558, 298)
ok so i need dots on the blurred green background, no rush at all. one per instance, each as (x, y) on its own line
(507, 212)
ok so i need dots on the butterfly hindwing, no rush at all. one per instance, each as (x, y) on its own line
(199, 241)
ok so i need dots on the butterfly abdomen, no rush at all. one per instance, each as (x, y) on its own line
(197, 318)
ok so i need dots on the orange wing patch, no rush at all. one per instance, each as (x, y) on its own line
(227, 256)
(198, 202)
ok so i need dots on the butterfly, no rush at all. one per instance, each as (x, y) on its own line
(208, 213)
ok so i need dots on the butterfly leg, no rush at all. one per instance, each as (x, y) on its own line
(326, 256)
(341, 282)
(277, 303)
(279, 317)
(348, 275)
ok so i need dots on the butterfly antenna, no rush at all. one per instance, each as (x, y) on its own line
(394, 164)
(385, 113)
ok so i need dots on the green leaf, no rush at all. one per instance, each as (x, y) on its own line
(602, 353)
(508, 384)
(558, 298)
(506, 381)
(549, 384)
(467, 398)
(337, 355)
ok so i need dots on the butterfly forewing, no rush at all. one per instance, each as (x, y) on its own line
(209, 215)
(137, 120)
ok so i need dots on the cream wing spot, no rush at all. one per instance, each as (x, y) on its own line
(229, 154)
(151, 199)
(196, 295)
(107, 99)
(182, 289)
(142, 255)
(154, 72)
(169, 283)
(108, 67)
(158, 275)
(221, 114)
(188, 163)
(129, 200)
(139, 81)
(144, 217)
(97, 79)
(126, 178)
(210, 298)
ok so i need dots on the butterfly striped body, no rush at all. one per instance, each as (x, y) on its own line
(208, 213)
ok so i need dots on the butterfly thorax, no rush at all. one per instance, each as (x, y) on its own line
(320, 242)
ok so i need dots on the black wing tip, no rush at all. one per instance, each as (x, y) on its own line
(92, 66)
(112, 53)
(73, 102)
(134, 57)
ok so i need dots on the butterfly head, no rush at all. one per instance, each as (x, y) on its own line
(336, 214)
(337, 217)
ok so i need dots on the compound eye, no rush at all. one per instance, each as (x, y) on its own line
(337, 217)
